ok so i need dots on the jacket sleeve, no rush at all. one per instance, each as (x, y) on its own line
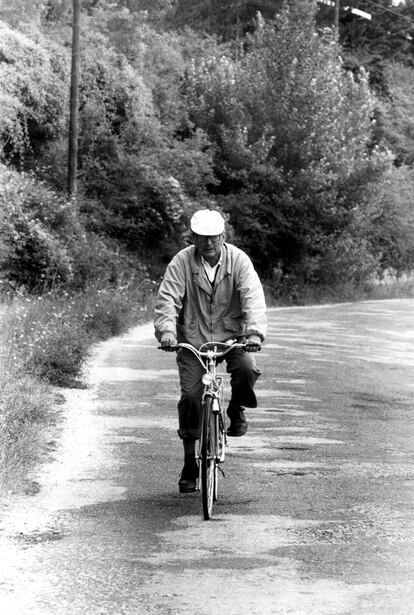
(170, 298)
(252, 299)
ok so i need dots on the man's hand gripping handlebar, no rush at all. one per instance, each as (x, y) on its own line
(168, 342)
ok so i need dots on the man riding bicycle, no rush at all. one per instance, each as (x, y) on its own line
(210, 292)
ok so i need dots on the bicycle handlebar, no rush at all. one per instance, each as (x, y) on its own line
(205, 353)
(209, 352)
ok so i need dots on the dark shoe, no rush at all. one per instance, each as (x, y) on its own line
(188, 478)
(238, 423)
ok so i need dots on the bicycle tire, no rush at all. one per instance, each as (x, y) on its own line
(221, 444)
(220, 430)
(208, 459)
(215, 487)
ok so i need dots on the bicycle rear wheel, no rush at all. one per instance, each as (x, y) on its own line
(208, 458)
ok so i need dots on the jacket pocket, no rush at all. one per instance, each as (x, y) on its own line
(233, 324)
(189, 328)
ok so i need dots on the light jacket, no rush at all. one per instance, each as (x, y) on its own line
(196, 311)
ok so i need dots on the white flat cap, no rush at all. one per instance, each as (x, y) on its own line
(207, 222)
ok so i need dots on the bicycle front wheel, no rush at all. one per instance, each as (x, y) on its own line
(208, 458)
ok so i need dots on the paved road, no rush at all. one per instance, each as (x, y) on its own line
(316, 515)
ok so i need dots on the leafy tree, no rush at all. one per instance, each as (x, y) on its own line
(272, 126)
(384, 47)
(293, 132)
(397, 117)
(156, 58)
(16, 12)
(390, 227)
(387, 37)
(226, 18)
(33, 93)
(138, 155)
(158, 12)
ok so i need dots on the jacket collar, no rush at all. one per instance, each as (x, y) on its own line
(199, 274)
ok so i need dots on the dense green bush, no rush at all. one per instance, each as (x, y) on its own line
(37, 228)
(33, 92)
(390, 227)
(397, 118)
(44, 242)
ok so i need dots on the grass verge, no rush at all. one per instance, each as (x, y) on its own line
(45, 341)
(28, 416)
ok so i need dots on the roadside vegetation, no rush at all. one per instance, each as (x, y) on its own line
(307, 151)
(45, 340)
(63, 288)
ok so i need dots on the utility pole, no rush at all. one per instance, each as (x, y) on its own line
(74, 102)
(336, 18)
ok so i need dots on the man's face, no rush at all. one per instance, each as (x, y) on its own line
(209, 246)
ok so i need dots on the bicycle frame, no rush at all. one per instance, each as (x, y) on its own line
(213, 388)
(210, 453)
(213, 383)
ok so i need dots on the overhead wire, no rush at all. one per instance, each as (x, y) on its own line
(385, 8)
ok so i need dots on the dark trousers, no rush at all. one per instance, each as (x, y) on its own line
(243, 374)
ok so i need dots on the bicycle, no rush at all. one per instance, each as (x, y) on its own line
(213, 437)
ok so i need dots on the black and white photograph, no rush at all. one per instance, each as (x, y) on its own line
(207, 307)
